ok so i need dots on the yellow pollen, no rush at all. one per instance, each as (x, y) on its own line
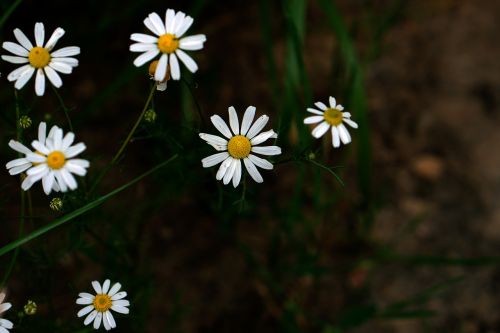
(152, 70)
(168, 43)
(56, 160)
(39, 57)
(333, 117)
(102, 302)
(239, 146)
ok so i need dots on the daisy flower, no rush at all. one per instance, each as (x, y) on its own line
(240, 142)
(169, 42)
(53, 161)
(39, 58)
(5, 325)
(331, 117)
(98, 306)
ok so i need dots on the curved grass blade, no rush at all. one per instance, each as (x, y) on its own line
(68, 217)
(9, 11)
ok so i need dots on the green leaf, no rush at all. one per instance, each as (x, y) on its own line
(68, 217)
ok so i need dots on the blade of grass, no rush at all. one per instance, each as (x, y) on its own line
(9, 11)
(68, 217)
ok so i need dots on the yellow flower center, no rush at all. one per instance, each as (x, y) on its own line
(152, 70)
(39, 57)
(102, 302)
(333, 117)
(239, 146)
(168, 43)
(56, 160)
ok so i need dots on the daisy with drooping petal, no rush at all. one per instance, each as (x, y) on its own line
(237, 146)
(5, 325)
(52, 161)
(169, 42)
(331, 117)
(39, 58)
(98, 306)
(160, 85)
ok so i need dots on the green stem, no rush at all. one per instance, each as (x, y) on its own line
(125, 143)
(65, 109)
(80, 211)
(9, 11)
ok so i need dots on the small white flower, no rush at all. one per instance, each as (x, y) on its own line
(98, 306)
(169, 42)
(331, 117)
(5, 325)
(242, 142)
(39, 58)
(52, 161)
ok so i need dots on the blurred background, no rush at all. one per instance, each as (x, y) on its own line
(407, 241)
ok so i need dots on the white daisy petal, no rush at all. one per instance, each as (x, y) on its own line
(105, 286)
(161, 68)
(181, 29)
(247, 119)
(4, 307)
(22, 39)
(60, 67)
(75, 150)
(262, 137)
(85, 310)
(67, 141)
(84, 301)
(15, 60)
(157, 22)
(24, 78)
(257, 126)
(68, 51)
(18, 72)
(335, 137)
(233, 120)
(230, 172)
(313, 119)
(187, 60)
(145, 57)
(114, 289)
(120, 309)
(73, 62)
(54, 78)
(215, 159)
(252, 170)
(237, 174)
(151, 27)
(42, 130)
(119, 295)
(76, 169)
(192, 43)
(321, 129)
(90, 318)
(86, 295)
(223, 168)
(27, 183)
(105, 321)
(174, 67)
(179, 21)
(81, 163)
(333, 102)
(19, 147)
(221, 126)
(350, 123)
(40, 147)
(321, 106)
(315, 111)
(60, 181)
(214, 140)
(69, 179)
(267, 150)
(339, 107)
(121, 302)
(110, 318)
(97, 287)
(344, 134)
(4, 323)
(260, 162)
(21, 168)
(143, 38)
(97, 320)
(39, 34)
(17, 162)
(48, 182)
(40, 82)
(15, 49)
(169, 21)
(345, 114)
(142, 47)
(58, 33)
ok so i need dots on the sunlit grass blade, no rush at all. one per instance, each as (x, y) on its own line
(68, 217)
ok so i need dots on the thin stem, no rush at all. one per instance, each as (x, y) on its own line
(198, 108)
(126, 142)
(65, 109)
(23, 199)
